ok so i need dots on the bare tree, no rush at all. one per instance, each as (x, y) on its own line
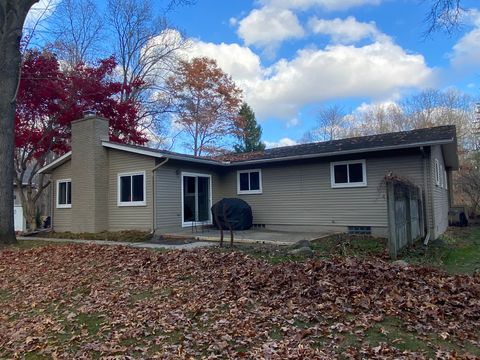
(443, 15)
(77, 28)
(147, 48)
(331, 124)
(434, 108)
(468, 182)
(12, 18)
(378, 119)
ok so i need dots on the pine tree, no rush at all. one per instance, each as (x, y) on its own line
(251, 133)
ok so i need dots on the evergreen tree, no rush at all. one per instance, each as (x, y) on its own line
(251, 133)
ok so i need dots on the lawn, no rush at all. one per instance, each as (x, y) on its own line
(85, 301)
(457, 251)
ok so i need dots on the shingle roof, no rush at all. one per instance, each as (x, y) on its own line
(397, 139)
(440, 135)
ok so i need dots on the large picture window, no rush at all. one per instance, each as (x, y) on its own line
(348, 173)
(64, 193)
(249, 181)
(131, 189)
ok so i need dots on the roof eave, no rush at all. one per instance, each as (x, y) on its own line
(56, 163)
(158, 154)
(345, 152)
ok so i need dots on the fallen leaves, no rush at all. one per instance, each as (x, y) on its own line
(119, 302)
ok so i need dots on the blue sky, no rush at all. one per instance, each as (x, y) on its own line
(291, 57)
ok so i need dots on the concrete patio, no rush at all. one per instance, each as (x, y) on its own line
(262, 236)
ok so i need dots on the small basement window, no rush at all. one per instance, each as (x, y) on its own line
(64, 193)
(348, 173)
(249, 181)
(131, 189)
(359, 230)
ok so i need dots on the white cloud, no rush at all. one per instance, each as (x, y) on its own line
(378, 71)
(338, 72)
(268, 27)
(239, 61)
(292, 122)
(40, 11)
(466, 52)
(331, 5)
(282, 142)
(347, 31)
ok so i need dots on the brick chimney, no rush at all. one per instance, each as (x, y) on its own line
(89, 174)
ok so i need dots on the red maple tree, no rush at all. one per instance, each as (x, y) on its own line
(49, 99)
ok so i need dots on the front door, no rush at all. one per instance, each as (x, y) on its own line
(196, 198)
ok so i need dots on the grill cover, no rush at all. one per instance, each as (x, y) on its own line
(234, 212)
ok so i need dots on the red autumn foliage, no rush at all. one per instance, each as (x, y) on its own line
(49, 99)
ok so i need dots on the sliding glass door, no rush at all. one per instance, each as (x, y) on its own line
(196, 198)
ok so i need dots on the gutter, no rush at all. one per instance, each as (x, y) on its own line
(154, 178)
(425, 187)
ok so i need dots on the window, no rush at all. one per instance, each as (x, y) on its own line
(348, 173)
(131, 189)
(437, 173)
(64, 193)
(249, 182)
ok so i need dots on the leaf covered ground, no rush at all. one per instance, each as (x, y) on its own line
(87, 301)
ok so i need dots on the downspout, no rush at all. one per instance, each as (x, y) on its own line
(154, 204)
(425, 190)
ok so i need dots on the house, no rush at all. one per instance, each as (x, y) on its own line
(327, 186)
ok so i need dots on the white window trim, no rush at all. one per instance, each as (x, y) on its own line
(191, 223)
(437, 172)
(348, 184)
(63, 206)
(246, 192)
(131, 203)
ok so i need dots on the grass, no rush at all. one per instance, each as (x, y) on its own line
(457, 251)
(392, 330)
(334, 245)
(79, 317)
(31, 244)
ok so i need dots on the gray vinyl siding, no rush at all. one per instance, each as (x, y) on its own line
(62, 218)
(129, 217)
(302, 194)
(439, 194)
(168, 211)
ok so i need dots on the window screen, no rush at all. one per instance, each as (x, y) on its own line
(132, 189)
(348, 173)
(249, 181)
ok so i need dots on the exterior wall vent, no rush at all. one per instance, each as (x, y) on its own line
(359, 230)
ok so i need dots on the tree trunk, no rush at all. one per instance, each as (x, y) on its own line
(12, 18)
